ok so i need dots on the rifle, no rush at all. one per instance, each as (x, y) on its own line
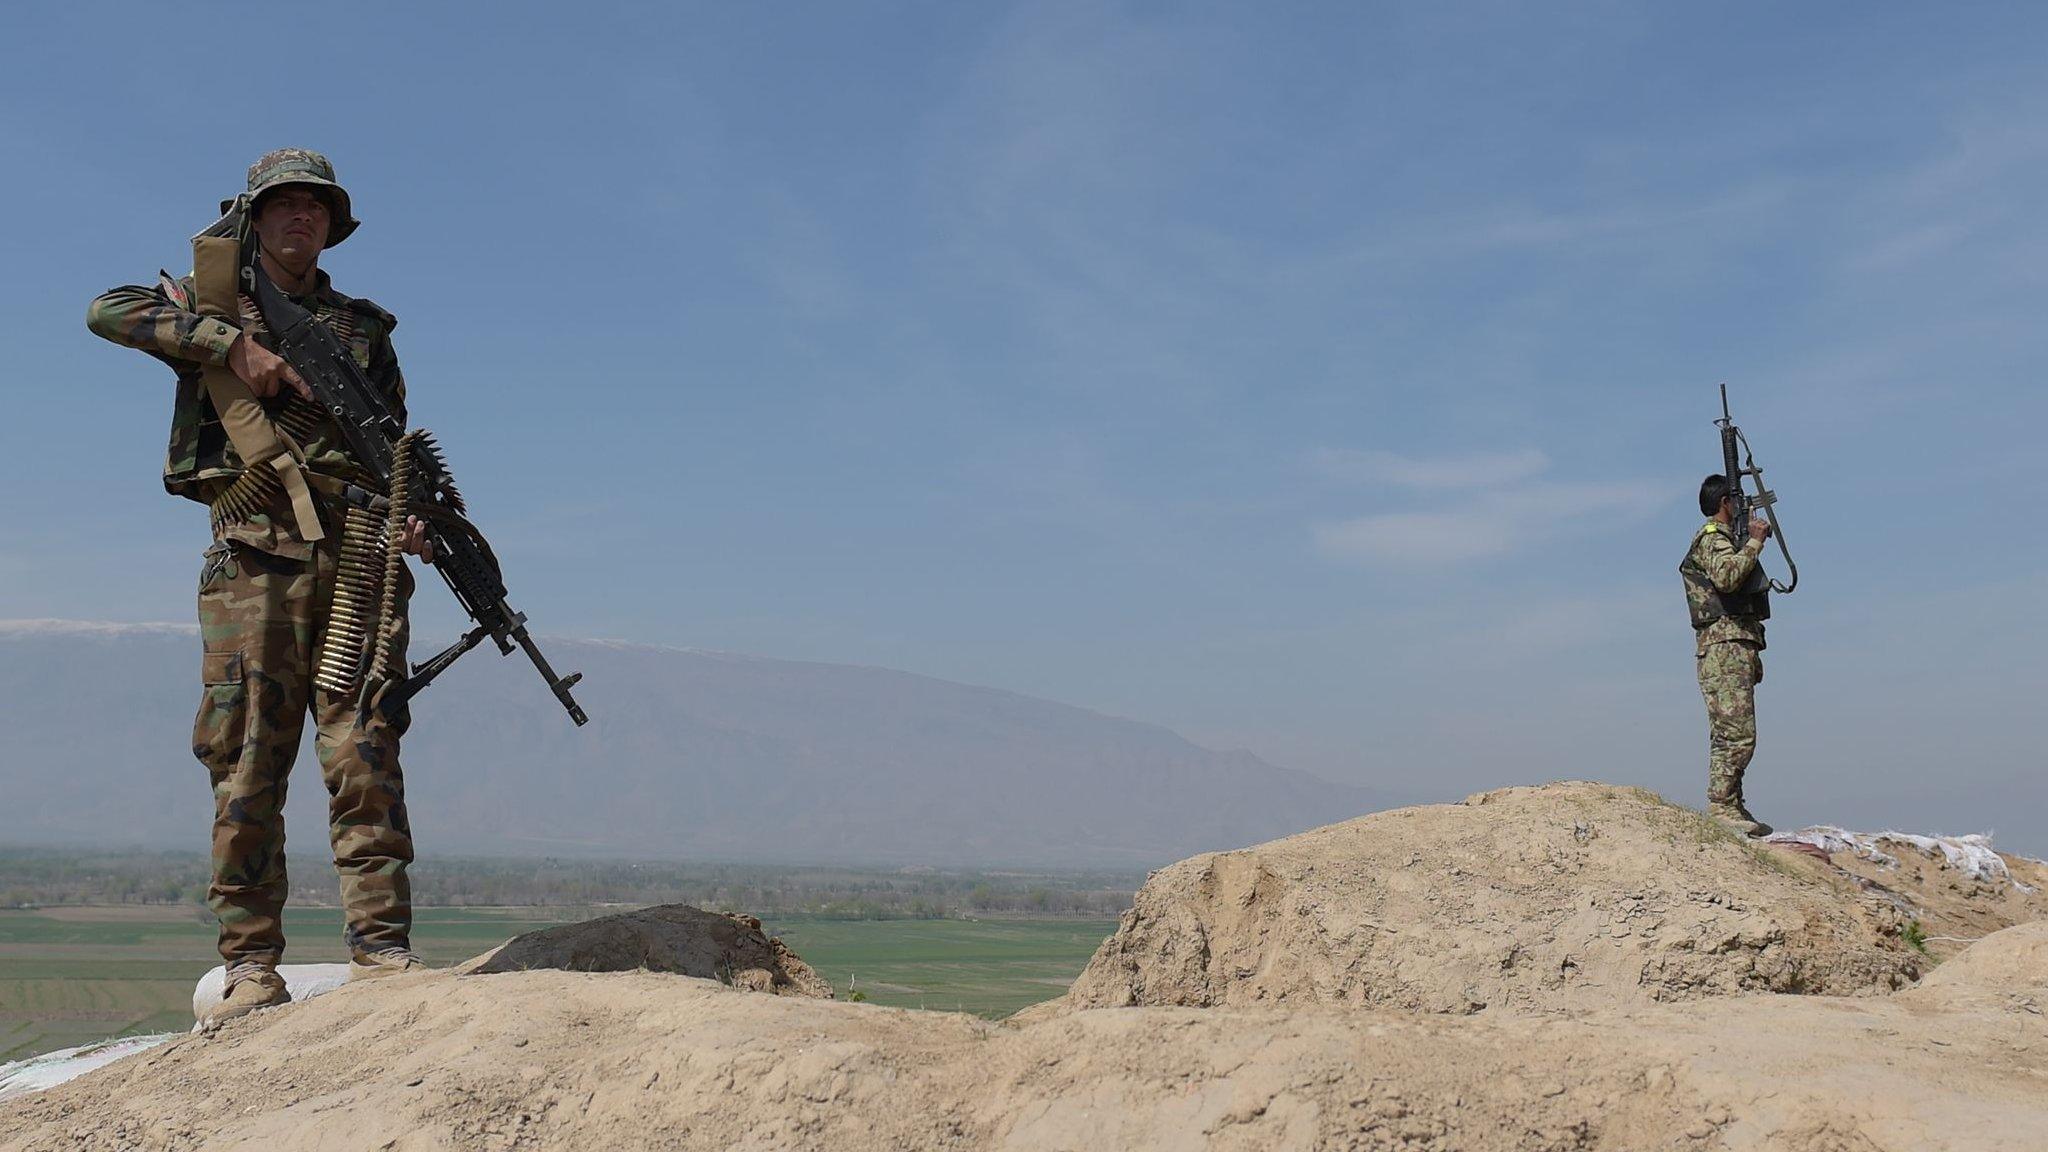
(415, 481)
(1746, 504)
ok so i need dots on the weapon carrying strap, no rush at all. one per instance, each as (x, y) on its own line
(215, 261)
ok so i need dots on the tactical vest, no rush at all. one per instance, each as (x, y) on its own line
(1707, 603)
(199, 449)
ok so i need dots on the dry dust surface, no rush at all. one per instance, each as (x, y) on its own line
(1564, 897)
(1274, 1008)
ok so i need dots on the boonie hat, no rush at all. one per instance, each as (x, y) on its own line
(299, 166)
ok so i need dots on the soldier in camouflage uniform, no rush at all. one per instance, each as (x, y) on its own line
(264, 593)
(1728, 609)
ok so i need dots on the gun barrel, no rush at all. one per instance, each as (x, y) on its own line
(560, 685)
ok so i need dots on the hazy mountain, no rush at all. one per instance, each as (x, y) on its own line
(689, 755)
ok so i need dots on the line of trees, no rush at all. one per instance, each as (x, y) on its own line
(42, 877)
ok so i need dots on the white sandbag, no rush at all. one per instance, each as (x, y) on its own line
(53, 1068)
(1972, 855)
(303, 981)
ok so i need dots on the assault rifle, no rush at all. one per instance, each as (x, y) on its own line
(1747, 505)
(409, 469)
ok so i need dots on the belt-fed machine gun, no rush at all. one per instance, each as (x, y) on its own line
(408, 468)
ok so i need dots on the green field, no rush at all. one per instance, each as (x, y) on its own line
(987, 967)
(73, 975)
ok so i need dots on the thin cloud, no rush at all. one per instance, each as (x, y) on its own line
(1421, 539)
(1488, 505)
(1478, 470)
(53, 627)
(1908, 247)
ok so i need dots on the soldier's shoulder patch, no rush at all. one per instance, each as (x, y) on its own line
(176, 291)
(370, 308)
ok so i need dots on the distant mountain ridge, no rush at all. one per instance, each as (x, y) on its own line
(690, 754)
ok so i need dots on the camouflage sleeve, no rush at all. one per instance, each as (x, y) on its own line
(156, 321)
(1726, 565)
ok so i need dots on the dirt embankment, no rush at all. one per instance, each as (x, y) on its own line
(1533, 899)
(632, 1060)
(1629, 1048)
(1951, 891)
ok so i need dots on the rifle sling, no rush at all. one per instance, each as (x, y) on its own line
(215, 265)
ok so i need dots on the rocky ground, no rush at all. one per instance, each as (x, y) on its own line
(1569, 967)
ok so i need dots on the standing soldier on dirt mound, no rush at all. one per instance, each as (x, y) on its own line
(266, 584)
(1728, 625)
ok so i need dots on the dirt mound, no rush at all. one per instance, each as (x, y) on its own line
(2008, 967)
(1561, 896)
(669, 938)
(1954, 889)
(641, 1060)
(1304, 943)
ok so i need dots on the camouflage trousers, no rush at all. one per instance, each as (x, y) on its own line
(262, 619)
(1729, 672)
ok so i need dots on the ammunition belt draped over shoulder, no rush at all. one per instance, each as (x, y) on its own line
(204, 460)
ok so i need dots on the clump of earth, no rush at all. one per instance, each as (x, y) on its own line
(672, 938)
(1558, 968)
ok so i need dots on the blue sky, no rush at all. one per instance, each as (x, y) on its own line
(1327, 380)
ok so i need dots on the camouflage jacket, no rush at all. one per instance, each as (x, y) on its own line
(201, 461)
(1727, 566)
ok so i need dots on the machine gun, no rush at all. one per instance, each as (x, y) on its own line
(1747, 505)
(414, 479)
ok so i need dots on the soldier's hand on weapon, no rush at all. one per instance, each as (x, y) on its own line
(1759, 531)
(416, 541)
(262, 370)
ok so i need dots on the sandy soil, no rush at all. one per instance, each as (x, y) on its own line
(1562, 897)
(556, 1059)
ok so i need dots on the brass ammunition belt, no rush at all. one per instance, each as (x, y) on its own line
(359, 646)
(360, 605)
(381, 665)
(259, 488)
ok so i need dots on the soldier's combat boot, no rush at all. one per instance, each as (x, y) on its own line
(1757, 828)
(250, 985)
(384, 962)
(1736, 816)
